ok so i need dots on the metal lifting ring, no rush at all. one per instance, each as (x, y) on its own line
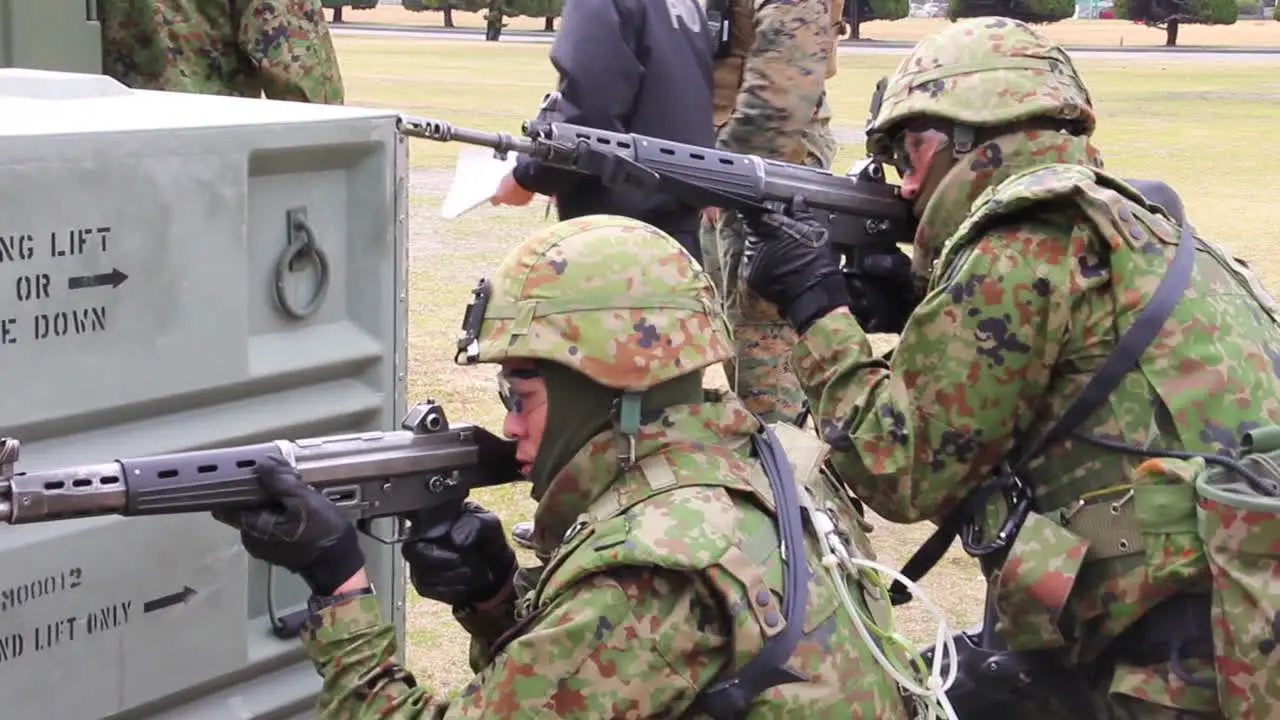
(302, 246)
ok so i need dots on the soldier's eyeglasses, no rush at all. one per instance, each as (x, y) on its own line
(899, 158)
(509, 398)
(897, 145)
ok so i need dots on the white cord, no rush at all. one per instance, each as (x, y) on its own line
(837, 557)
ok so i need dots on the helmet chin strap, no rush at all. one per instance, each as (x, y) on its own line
(961, 141)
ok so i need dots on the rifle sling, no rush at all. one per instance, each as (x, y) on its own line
(731, 697)
(1123, 358)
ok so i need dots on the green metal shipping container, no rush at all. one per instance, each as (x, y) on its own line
(145, 308)
(51, 35)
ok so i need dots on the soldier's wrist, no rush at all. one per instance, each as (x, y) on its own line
(816, 302)
(497, 600)
(316, 603)
(356, 582)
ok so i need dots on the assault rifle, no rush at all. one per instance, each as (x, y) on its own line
(863, 213)
(422, 472)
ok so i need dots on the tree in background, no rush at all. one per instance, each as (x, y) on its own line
(445, 6)
(337, 5)
(1028, 11)
(1170, 14)
(857, 12)
(548, 9)
(1249, 7)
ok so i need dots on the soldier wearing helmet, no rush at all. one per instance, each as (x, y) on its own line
(665, 509)
(1062, 324)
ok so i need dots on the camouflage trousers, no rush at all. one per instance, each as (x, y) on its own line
(761, 371)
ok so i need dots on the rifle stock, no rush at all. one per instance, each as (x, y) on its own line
(422, 471)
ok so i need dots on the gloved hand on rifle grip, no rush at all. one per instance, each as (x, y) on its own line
(882, 291)
(788, 260)
(459, 561)
(300, 531)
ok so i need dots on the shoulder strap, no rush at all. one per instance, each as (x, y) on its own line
(1123, 358)
(730, 698)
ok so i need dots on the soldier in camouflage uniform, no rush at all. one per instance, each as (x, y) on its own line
(250, 48)
(770, 100)
(665, 573)
(1035, 260)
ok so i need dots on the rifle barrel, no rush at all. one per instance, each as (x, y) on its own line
(443, 131)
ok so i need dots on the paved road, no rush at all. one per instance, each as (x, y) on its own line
(847, 47)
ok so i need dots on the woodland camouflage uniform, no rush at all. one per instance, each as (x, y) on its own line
(627, 619)
(278, 48)
(770, 100)
(1036, 260)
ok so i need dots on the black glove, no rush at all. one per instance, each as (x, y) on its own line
(461, 560)
(882, 292)
(300, 531)
(788, 261)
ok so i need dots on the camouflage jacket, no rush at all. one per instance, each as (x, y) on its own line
(770, 89)
(1021, 309)
(250, 48)
(628, 617)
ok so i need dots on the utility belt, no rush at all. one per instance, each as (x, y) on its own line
(992, 678)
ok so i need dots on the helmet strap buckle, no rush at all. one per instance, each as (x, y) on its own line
(626, 423)
(962, 139)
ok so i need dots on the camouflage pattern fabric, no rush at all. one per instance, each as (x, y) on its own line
(671, 573)
(1039, 260)
(1240, 526)
(770, 98)
(760, 371)
(627, 620)
(770, 87)
(819, 141)
(654, 314)
(278, 48)
(488, 625)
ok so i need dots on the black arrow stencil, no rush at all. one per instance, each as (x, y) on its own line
(181, 597)
(114, 278)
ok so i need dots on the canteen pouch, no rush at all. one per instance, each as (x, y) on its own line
(1238, 516)
(1033, 583)
(1164, 503)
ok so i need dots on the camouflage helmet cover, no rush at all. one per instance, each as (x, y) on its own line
(981, 72)
(611, 297)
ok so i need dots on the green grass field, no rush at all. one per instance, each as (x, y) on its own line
(1206, 127)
